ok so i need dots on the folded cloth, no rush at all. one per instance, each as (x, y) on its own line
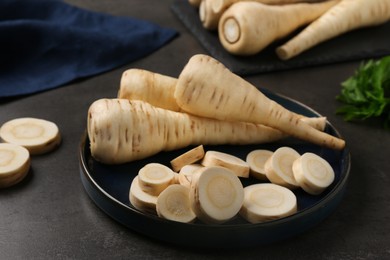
(47, 43)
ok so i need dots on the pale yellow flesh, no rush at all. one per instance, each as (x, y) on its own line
(189, 157)
(313, 173)
(256, 160)
(174, 204)
(153, 178)
(141, 200)
(14, 164)
(266, 201)
(38, 136)
(186, 172)
(216, 194)
(235, 164)
(278, 167)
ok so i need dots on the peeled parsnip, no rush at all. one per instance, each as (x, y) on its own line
(121, 131)
(246, 28)
(346, 16)
(210, 11)
(154, 88)
(207, 88)
(158, 90)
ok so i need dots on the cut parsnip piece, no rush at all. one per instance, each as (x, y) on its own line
(141, 200)
(14, 164)
(256, 161)
(186, 173)
(267, 201)
(238, 166)
(278, 167)
(38, 136)
(216, 194)
(189, 157)
(313, 173)
(153, 178)
(174, 204)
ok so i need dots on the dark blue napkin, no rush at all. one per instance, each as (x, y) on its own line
(45, 44)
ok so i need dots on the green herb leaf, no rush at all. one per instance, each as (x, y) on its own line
(366, 93)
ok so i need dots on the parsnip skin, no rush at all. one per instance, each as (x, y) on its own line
(121, 131)
(346, 16)
(207, 88)
(246, 28)
(154, 88)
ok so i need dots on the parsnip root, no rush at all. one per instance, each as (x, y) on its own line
(216, 194)
(256, 160)
(266, 201)
(313, 173)
(278, 167)
(231, 162)
(346, 16)
(190, 157)
(174, 204)
(153, 178)
(207, 88)
(14, 164)
(247, 27)
(38, 136)
(140, 199)
(186, 172)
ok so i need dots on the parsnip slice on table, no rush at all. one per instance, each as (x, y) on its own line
(38, 136)
(14, 164)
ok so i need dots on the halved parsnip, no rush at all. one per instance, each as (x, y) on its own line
(256, 160)
(14, 164)
(216, 194)
(267, 201)
(313, 173)
(189, 157)
(38, 136)
(153, 178)
(278, 167)
(215, 158)
(174, 204)
(141, 200)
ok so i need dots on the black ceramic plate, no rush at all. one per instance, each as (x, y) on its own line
(108, 186)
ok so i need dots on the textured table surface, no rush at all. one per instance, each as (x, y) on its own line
(50, 216)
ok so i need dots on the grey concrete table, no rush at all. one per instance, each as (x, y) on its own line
(50, 216)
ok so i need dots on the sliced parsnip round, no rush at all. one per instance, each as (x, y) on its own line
(256, 161)
(186, 173)
(153, 178)
(174, 204)
(216, 194)
(189, 157)
(238, 166)
(38, 136)
(141, 200)
(14, 164)
(267, 201)
(278, 167)
(313, 173)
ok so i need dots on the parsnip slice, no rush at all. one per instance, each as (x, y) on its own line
(215, 158)
(141, 200)
(14, 164)
(256, 160)
(38, 136)
(174, 204)
(278, 167)
(216, 194)
(189, 157)
(186, 172)
(153, 178)
(267, 201)
(313, 173)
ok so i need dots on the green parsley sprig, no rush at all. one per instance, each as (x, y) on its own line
(367, 93)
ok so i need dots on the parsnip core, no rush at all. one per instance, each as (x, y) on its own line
(231, 30)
